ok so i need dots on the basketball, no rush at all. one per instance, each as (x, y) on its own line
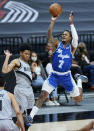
(55, 9)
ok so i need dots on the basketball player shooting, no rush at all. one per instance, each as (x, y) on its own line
(61, 64)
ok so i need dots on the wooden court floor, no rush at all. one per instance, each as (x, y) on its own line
(74, 125)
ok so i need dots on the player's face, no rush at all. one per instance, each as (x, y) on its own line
(66, 37)
(26, 55)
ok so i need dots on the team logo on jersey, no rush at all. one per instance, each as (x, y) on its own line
(67, 47)
(12, 11)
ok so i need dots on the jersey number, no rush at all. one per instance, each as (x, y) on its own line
(61, 62)
(0, 105)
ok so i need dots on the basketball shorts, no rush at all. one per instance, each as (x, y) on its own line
(66, 81)
(8, 125)
(24, 96)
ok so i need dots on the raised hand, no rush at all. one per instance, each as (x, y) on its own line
(71, 17)
(54, 19)
(7, 53)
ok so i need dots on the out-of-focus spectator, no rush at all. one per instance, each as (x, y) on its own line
(87, 67)
(38, 69)
(78, 74)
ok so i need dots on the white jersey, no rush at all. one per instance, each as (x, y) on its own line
(23, 74)
(5, 106)
(23, 90)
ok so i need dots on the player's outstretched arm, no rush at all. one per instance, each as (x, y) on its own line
(50, 29)
(8, 67)
(17, 111)
(50, 38)
(73, 32)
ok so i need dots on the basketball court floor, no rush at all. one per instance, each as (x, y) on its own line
(60, 126)
(66, 117)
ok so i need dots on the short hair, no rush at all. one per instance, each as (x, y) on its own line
(69, 32)
(24, 47)
(2, 80)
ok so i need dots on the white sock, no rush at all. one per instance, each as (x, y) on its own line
(34, 111)
(79, 83)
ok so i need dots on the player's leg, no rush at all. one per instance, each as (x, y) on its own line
(47, 88)
(70, 86)
(29, 95)
(21, 98)
(30, 98)
(77, 92)
(38, 104)
(43, 96)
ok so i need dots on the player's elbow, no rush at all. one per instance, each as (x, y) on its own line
(4, 71)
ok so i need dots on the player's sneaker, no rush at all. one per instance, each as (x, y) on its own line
(82, 77)
(27, 120)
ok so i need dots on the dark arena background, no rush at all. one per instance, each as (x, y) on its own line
(27, 21)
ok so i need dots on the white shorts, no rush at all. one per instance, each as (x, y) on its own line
(25, 97)
(8, 125)
(49, 88)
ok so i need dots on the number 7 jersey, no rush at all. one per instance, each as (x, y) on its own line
(62, 58)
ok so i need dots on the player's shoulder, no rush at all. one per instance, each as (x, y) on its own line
(15, 61)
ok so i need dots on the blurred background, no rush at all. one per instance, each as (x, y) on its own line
(27, 21)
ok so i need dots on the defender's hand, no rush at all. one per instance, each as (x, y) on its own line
(7, 53)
